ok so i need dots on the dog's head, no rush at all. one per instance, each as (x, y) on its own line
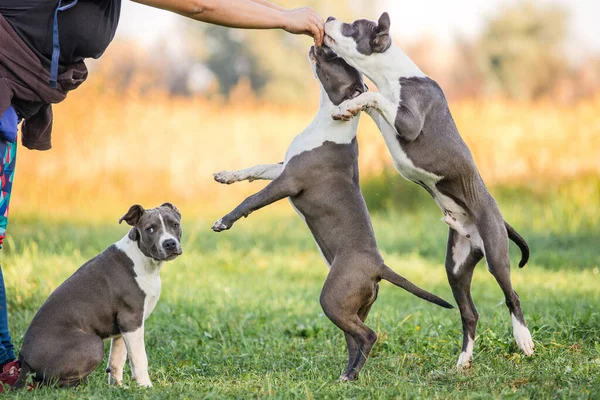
(157, 231)
(338, 79)
(358, 40)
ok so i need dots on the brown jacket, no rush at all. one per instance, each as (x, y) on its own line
(24, 79)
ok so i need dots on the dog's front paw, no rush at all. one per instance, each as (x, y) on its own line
(115, 376)
(347, 110)
(221, 225)
(114, 381)
(228, 177)
(143, 381)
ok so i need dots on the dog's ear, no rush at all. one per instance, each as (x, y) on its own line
(172, 207)
(133, 215)
(383, 25)
(382, 40)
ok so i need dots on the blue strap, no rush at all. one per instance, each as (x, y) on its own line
(9, 122)
(56, 43)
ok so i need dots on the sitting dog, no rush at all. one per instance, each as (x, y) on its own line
(412, 113)
(109, 297)
(320, 176)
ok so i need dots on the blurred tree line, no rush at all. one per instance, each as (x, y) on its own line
(520, 54)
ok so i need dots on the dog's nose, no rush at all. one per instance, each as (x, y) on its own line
(330, 19)
(169, 245)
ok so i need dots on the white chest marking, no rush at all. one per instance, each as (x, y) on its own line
(323, 129)
(147, 273)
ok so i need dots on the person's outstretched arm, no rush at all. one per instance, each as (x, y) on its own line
(248, 14)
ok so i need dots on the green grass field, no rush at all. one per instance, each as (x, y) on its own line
(239, 315)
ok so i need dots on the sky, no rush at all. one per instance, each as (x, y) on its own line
(442, 19)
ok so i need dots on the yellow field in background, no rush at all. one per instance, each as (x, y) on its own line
(112, 150)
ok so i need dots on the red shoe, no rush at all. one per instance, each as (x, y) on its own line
(9, 374)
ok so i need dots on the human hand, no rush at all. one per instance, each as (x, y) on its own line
(305, 21)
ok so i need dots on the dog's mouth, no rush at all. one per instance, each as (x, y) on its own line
(172, 256)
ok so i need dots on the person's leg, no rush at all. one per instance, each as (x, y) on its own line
(8, 149)
(7, 353)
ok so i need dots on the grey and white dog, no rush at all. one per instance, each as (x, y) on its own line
(320, 177)
(412, 113)
(109, 297)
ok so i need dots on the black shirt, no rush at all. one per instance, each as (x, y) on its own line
(85, 30)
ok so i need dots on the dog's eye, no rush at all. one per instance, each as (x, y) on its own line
(150, 229)
(176, 224)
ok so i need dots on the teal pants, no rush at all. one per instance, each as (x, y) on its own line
(8, 150)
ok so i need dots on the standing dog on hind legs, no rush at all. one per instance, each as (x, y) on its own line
(320, 176)
(412, 113)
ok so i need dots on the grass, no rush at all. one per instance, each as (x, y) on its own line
(239, 315)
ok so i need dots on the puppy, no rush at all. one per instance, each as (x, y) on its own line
(320, 177)
(109, 297)
(412, 113)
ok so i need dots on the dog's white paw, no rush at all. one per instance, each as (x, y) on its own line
(348, 377)
(347, 110)
(524, 341)
(466, 357)
(464, 361)
(522, 337)
(114, 380)
(144, 381)
(228, 177)
(219, 226)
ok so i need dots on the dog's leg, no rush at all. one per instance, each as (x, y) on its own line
(364, 338)
(341, 304)
(495, 241)
(116, 361)
(461, 259)
(134, 341)
(350, 342)
(282, 187)
(405, 117)
(267, 172)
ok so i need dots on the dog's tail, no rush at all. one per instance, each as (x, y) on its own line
(389, 275)
(519, 241)
(25, 371)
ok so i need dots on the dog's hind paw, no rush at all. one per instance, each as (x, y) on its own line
(525, 342)
(464, 362)
(349, 376)
(227, 177)
(522, 336)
